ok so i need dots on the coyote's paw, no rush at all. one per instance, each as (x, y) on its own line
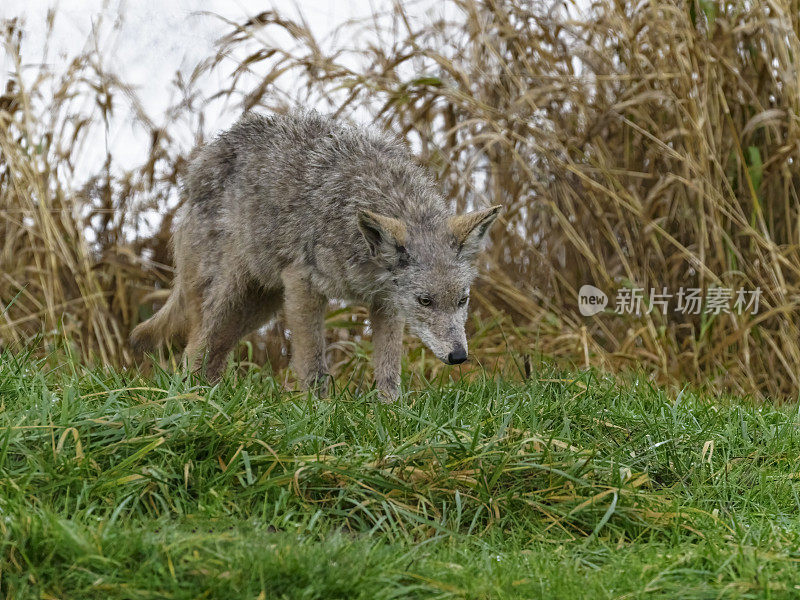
(319, 385)
(388, 392)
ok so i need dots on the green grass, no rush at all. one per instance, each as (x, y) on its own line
(581, 486)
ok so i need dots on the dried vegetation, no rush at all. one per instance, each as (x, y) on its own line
(646, 144)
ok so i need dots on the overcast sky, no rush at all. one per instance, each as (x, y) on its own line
(155, 38)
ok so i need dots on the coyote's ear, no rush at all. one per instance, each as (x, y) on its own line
(385, 236)
(470, 229)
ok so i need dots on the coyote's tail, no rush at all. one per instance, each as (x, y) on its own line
(162, 326)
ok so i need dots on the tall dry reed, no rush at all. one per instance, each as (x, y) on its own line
(648, 144)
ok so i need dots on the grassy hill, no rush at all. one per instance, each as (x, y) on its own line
(565, 486)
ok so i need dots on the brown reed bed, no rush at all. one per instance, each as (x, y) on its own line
(644, 145)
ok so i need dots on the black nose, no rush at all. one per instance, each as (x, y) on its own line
(457, 356)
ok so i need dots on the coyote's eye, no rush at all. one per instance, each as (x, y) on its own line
(424, 300)
(463, 302)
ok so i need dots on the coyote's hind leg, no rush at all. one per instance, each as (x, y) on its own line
(224, 326)
(304, 308)
(195, 342)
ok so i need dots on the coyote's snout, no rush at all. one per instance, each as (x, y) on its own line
(293, 210)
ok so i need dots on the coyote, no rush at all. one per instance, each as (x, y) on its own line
(291, 210)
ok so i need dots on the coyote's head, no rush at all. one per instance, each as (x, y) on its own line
(432, 267)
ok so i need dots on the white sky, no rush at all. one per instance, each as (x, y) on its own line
(156, 38)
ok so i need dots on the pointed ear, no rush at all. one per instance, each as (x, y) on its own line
(385, 236)
(470, 229)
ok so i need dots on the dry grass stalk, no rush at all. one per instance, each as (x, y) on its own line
(649, 144)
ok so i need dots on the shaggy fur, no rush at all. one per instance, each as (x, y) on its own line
(293, 210)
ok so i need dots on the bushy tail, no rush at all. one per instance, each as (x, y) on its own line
(162, 326)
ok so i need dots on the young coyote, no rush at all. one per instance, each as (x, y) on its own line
(293, 210)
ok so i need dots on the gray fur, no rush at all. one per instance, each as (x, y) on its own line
(294, 210)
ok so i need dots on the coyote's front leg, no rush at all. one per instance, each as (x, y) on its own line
(387, 346)
(305, 315)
